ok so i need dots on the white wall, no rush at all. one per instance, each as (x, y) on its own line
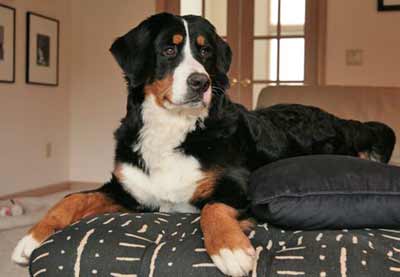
(98, 91)
(356, 24)
(31, 115)
(79, 116)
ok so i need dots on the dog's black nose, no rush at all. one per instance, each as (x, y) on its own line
(198, 82)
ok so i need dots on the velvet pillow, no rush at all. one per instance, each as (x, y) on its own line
(327, 192)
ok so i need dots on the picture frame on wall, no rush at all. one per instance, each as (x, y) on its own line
(388, 5)
(42, 50)
(7, 44)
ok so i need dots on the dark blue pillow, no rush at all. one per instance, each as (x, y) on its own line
(327, 192)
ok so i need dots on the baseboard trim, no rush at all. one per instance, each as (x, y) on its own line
(53, 188)
(48, 189)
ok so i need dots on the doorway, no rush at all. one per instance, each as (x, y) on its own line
(274, 42)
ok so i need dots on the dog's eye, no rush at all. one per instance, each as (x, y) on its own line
(170, 51)
(205, 51)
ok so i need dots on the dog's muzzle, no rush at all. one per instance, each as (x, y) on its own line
(199, 88)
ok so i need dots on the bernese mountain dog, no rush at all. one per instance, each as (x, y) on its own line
(183, 146)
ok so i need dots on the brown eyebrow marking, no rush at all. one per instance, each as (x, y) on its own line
(200, 40)
(177, 39)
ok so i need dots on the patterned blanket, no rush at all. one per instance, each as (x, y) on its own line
(158, 244)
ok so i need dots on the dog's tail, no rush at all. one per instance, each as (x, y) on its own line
(375, 141)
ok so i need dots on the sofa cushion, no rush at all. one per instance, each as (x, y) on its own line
(326, 191)
(158, 244)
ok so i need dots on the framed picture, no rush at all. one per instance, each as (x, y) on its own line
(388, 5)
(42, 50)
(7, 44)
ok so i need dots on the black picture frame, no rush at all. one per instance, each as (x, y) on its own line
(29, 66)
(387, 8)
(13, 42)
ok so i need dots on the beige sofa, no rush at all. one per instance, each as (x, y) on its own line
(360, 103)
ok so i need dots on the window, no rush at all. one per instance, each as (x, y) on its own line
(279, 41)
(216, 11)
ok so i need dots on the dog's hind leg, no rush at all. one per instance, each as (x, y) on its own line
(69, 210)
(383, 142)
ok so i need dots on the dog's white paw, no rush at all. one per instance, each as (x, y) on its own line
(236, 262)
(24, 249)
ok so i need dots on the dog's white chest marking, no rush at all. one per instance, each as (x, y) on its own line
(173, 175)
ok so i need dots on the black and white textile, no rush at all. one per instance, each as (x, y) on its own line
(157, 244)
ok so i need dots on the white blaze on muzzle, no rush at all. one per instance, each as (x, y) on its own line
(188, 66)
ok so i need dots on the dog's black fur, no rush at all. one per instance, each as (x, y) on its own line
(233, 139)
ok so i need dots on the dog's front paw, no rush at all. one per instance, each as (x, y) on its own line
(229, 248)
(234, 262)
(24, 249)
(231, 252)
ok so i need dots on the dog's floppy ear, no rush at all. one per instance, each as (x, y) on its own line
(224, 55)
(132, 53)
(222, 64)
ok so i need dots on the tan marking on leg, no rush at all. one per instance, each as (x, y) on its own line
(205, 186)
(161, 90)
(364, 155)
(71, 209)
(222, 230)
(177, 39)
(201, 40)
